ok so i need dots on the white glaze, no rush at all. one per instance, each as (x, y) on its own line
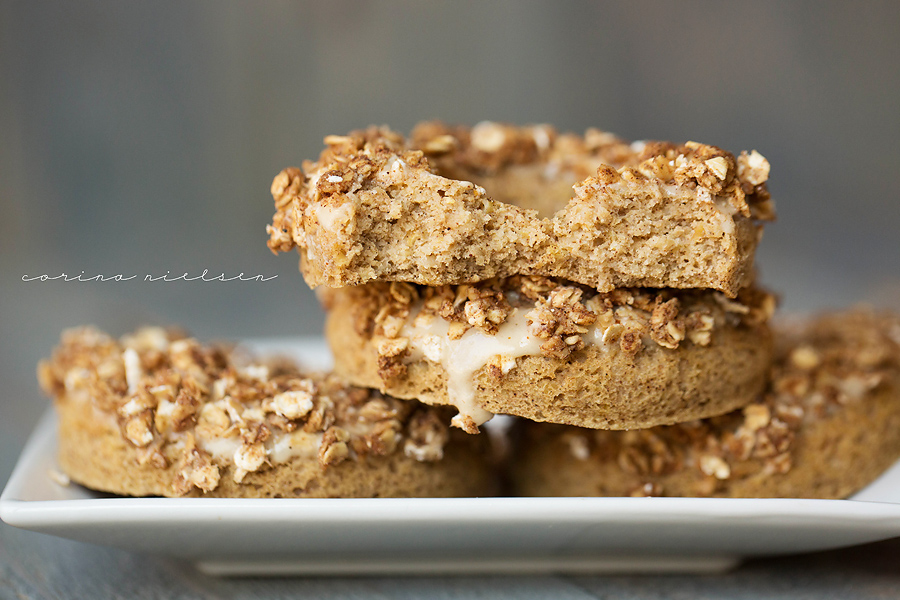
(281, 447)
(463, 357)
(333, 218)
(133, 371)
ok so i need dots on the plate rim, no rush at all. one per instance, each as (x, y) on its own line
(35, 513)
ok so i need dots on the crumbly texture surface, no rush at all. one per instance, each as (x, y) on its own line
(828, 425)
(550, 350)
(157, 413)
(454, 205)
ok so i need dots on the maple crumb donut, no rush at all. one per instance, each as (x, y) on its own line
(157, 414)
(550, 350)
(828, 426)
(462, 205)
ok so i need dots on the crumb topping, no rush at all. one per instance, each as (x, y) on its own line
(351, 162)
(563, 315)
(212, 408)
(490, 147)
(837, 361)
(378, 206)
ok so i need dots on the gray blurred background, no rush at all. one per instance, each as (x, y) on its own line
(141, 138)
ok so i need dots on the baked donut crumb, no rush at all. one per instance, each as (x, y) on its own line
(204, 411)
(455, 205)
(830, 413)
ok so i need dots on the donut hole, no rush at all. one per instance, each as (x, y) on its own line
(540, 187)
(545, 187)
(533, 166)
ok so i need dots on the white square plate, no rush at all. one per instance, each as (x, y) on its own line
(435, 535)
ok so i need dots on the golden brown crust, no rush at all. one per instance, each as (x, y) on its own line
(157, 413)
(377, 207)
(94, 454)
(549, 350)
(828, 425)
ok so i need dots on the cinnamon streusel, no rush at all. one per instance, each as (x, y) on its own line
(156, 413)
(461, 205)
(828, 425)
(550, 350)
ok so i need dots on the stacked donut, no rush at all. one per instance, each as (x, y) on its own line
(600, 291)
(827, 425)
(458, 267)
(156, 413)
(461, 270)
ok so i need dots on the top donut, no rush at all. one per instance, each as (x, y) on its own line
(454, 205)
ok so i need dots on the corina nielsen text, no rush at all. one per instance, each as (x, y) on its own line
(167, 278)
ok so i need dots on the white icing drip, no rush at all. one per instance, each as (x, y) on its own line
(296, 444)
(333, 218)
(726, 213)
(727, 223)
(463, 357)
(133, 371)
(222, 448)
(280, 448)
